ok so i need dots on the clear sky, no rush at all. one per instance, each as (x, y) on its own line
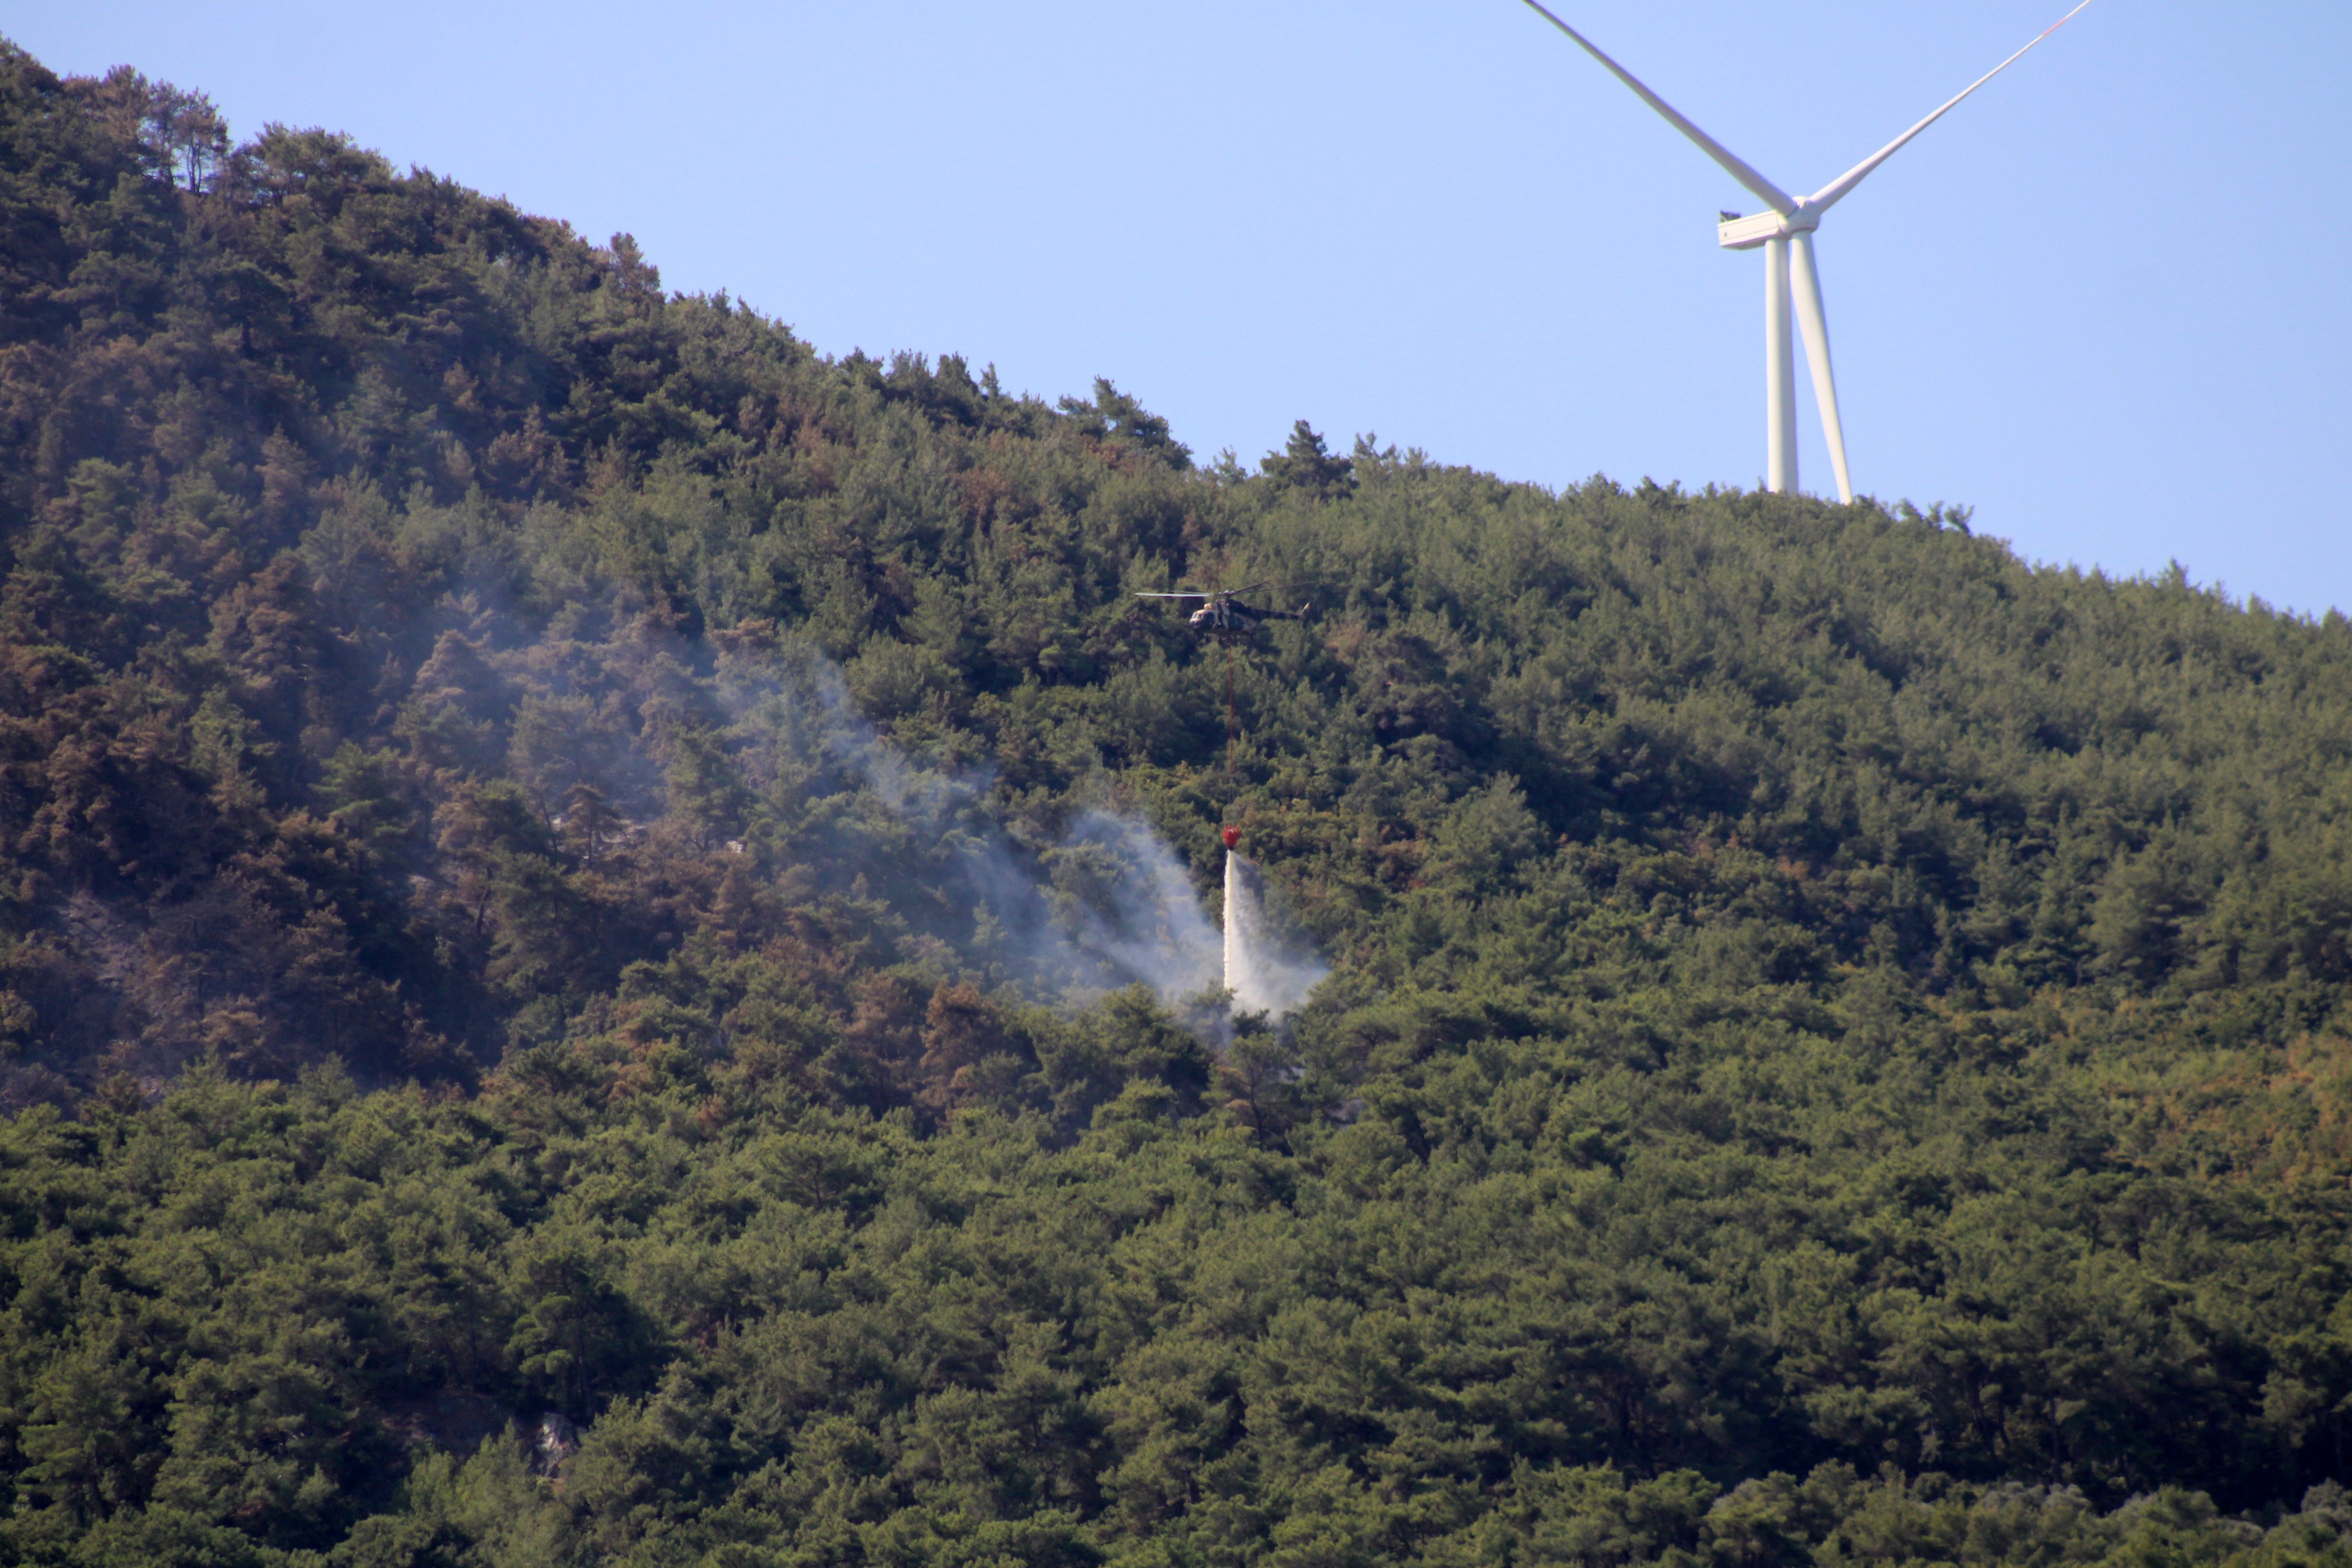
(2107, 302)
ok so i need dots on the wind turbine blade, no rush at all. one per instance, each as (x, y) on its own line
(1771, 194)
(1815, 326)
(1835, 191)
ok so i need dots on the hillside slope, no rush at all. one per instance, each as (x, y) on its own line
(578, 870)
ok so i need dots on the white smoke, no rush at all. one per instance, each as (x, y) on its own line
(1159, 932)
(1102, 903)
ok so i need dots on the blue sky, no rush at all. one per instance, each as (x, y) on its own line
(2107, 302)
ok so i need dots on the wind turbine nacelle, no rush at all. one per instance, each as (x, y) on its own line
(1747, 233)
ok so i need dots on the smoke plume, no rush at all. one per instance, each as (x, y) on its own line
(1095, 902)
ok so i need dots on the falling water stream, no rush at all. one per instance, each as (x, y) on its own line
(1245, 930)
(1263, 974)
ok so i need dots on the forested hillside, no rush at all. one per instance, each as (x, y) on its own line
(598, 959)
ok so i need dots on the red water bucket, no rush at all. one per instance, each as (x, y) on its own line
(1232, 836)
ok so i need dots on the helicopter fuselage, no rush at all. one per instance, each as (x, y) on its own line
(1230, 618)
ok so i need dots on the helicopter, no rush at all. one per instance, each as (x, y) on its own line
(1222, 615)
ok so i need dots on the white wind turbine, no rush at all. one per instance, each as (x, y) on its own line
(1789, 227)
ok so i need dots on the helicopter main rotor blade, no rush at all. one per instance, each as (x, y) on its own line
(1141, 596)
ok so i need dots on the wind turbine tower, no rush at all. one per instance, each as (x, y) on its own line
(1785, 232)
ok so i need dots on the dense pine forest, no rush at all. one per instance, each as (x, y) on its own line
(598, 937)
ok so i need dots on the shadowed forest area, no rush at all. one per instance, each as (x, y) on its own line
(579, 981)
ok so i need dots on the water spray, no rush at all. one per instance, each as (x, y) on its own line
(1262, 973)
(1245, 923)
(1236, 961)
